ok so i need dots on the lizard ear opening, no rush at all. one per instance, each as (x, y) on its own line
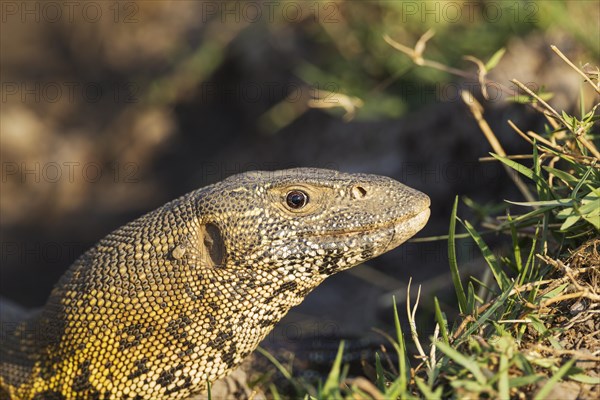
(212, 245)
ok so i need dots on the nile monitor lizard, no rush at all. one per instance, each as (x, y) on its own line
(180, 296)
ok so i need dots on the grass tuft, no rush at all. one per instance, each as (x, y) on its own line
(532, 332)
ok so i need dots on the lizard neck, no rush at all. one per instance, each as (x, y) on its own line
(253, 300)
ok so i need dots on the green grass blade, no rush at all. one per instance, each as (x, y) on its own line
(402, 370)
(581, 182)
(500, 301)
(331, 388)
(547, 388)
(560, 202)
(274, 392)
(590, 210)
(527, 217)
(495, 59)
(564, 176)
(287, 374)
(458, 358)
(426, 390)
(515, 244)
(501, 278)
(395, 390)
(458, 287)
(470, 298)
(590, 380)
(439, 317)
(380, 373)
(590, 207)
(524, 380)
(541, 186)
(520, 168)
(529, 269)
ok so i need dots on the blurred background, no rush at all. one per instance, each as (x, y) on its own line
(111, 108)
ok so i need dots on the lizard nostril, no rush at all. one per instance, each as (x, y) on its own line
(358, 192)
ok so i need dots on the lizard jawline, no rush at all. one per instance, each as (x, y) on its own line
(417, 220)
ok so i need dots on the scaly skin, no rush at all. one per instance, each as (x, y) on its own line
(180, 296)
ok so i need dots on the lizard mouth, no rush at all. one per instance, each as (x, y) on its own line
(408, 227)
(368, 241)
(409, 223)
(420, 218)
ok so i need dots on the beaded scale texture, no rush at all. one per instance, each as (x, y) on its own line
(180, 296)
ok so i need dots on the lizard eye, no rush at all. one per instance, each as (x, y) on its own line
(296, 199)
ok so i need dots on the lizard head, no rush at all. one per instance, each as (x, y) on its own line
(183, 294)
(310, 223)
